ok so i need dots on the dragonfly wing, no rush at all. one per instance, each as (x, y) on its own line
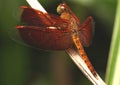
(86, 31)
(34, 17)
(49, 38)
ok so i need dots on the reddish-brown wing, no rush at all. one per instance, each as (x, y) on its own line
(86, 31)
(44, 31)
(34, 17)
(48, 39)
(50, 32)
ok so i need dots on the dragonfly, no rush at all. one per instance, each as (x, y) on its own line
(53, 32)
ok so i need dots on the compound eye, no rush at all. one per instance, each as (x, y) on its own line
(61, 9)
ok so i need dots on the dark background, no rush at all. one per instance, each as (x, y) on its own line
(23, 65)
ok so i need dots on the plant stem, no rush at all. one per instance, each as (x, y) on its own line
(74, 55)
(113, 69)
(36, 5)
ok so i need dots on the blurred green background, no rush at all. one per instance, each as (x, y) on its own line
(23, 65)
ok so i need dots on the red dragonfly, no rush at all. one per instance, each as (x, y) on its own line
(52, 32)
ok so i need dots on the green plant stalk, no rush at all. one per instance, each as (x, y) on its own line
(113, 67)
